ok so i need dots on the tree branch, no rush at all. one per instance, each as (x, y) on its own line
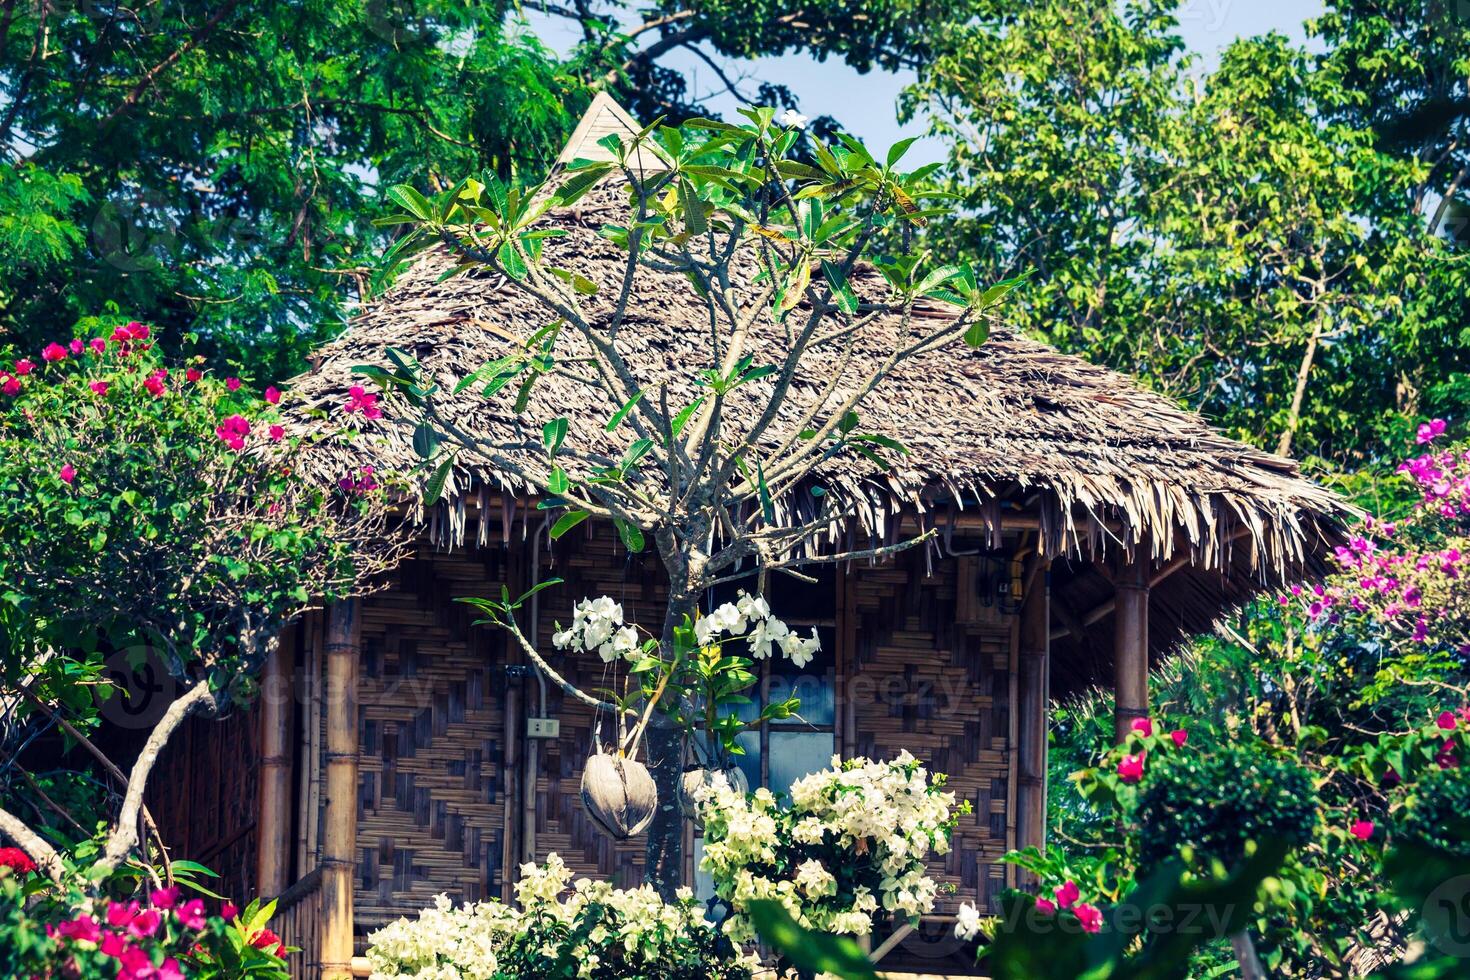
(45, 856)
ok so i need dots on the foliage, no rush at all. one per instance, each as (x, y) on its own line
(1352, 679)
(1245, 240)
(48, 930)
(214, 168)
(597, 932)
(851, 846)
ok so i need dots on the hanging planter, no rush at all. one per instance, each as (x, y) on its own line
(618, 794)
(696, 779)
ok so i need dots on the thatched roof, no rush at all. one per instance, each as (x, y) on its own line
(1014, 431)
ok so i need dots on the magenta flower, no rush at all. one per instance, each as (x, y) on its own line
(154, 382)
(193, 374)
(359, 399)
(1130, 768)
(145, 923)
(98, 345)
(1431, 430)
(113, 944)
(1067, 894)
(233, 384)
(191, 914)
(1046, 906)
(277, 433)
(1180, 736)
(138, 331)
(83, 928)
(76, 346)
(232, 431)
(1143, 727)
(24, 366)
(273, 395)
(164, 898)
(53, 352)
(228, 911)
(1361, 829)
(1090, 917)
(1446, 720)
(120, 914)
(68, 473)
(9, 385)
(98, 387)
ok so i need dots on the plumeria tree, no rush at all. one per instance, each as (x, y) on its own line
(775, 254)
(147, 509)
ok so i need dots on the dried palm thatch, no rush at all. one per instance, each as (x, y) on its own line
(1011, 433)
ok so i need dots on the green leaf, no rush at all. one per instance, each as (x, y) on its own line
(622, 413)
(434, 489)
(768, 507)
(842, 293)
(553, 434)
(814, 952)
(631, 535)
(682, 419)
(411, 201)
(425, 440)
(558, 482)
(978, 333)
(566, 522)
(897, 150)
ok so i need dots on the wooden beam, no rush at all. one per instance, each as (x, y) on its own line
(277, 699)
(339, 837)
(1033, 702)
(1130, 640)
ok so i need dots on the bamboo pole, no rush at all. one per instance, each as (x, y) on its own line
(273, 860)
(339, 835)
(1130, 643)
(1034, 700)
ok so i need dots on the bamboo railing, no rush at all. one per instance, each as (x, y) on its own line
(298, 923)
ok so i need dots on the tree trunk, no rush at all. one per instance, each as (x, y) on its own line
(665, 855)
(1245, 956)
(1299, 394)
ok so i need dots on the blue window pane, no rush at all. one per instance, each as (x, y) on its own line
(797, 754)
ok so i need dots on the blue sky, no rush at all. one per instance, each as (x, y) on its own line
(866, 104)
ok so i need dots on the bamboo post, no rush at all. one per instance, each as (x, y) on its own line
(273, 860)
(339, 835)
(1035, 697)
(1130, 642)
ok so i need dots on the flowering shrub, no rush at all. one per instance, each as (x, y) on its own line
(63, 933)
(596, 932)
(851, 846)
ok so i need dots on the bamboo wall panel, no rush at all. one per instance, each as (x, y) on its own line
(591, 563)
(431, 739)
(204, 797)
(934, 679)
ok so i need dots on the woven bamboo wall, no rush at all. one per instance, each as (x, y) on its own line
(204, 798)
(591, 563)
(930, 673)
(431, 737)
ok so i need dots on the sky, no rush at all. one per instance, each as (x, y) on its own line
(867, 104)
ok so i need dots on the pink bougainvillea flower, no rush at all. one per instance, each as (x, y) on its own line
(170, 970)
(191, 914)
(120, 914)
(145, 923)
(164, 898)
(98, 387)
(53, 352)
(138, 331)
(1090, 917)
(1446, 758)
(67, 473)
(121, 335)
(154, 382)
(1046, 906)
(1180, 736)
(1446, 720)
(277, 433)
(24, 366)
(193, 374)
(1067, 894)
(232, 431)
(1391, 779)
(136, 964)
(9, 385)
(98, 345)
(270, 942)
(76, 346)
(273, 395)
(16, 860)
(1361, 829)
(1430, 431)
(83, 928)
(113, 944)
(233, 384)
(1143, 726)
(359, 399)
(1130, 768)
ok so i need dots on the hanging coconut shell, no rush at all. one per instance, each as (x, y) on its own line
(619, 795)
(696, 778)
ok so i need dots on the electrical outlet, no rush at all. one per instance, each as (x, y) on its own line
(543, 727)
